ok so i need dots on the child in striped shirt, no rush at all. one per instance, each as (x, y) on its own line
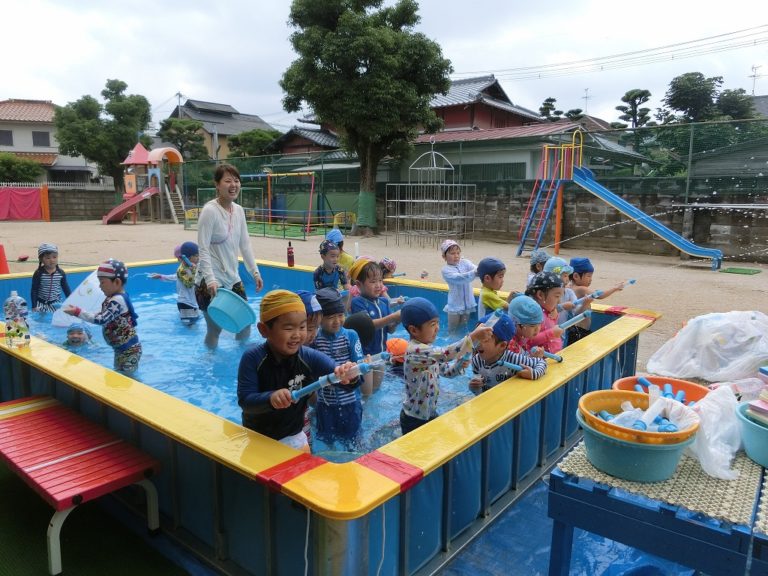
(49, 281)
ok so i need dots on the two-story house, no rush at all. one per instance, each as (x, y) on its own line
(27, 130)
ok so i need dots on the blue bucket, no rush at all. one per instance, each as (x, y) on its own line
(230, 312)
(754, 436)
(631, 460)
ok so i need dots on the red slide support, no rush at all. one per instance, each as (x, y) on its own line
(115, 216)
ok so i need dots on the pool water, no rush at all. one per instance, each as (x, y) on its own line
(176, 361)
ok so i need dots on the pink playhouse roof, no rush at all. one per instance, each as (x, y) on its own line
(138, 155)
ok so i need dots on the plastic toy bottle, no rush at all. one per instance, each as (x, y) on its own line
(16, 328)
(357, 370)
(290, 255)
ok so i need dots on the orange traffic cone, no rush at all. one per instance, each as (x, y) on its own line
(3, 262)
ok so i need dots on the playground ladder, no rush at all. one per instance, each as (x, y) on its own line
(176, 204)
(533, 224)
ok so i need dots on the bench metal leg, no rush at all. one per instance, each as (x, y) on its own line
(54, 545)
(153, 510)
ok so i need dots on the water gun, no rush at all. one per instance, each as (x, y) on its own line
(576, 319)
(491, 322)
(667, 391)
(380, 358)
(357, 370)
(398, 274)
(597, 293)
(461, 360)
(187, 261)
(511, 366)
(555, 357)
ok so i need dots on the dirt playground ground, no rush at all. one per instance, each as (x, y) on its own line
(678, 289)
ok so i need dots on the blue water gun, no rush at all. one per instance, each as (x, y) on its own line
(358, 370)
(555, 357)
(576, 319)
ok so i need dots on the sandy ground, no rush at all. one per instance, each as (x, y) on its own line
(677, 289)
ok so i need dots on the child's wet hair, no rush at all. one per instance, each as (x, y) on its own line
(371, 271)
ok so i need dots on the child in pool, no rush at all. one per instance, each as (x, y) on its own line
(314, 316)
(117, 317)
(345, 259)
(339, 410)
(78, 334)
(271, 370)
(527, 316)
(487, 362)
(581, 280)
(567, 308)
(49, 281)
(188, 256)
(539, 257)
(491, 272)
(425, 363)
(546, 289)
(366, 274)
(330, 274)
(458, 273)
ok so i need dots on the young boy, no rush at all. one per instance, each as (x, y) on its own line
(271, 370)
(539, 257)
(188, 257)
(330, 274)
(546, 289)
(490, 354)
(581, 279)
(117, 317)
(491, 273)
(527, 316)
(314, 314)
(567, 307)
(49, 281)
(345, 260)
(366, 274)
(77, 335)
(339, 410)
(424, 363)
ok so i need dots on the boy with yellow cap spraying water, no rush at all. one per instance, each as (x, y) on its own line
(270, 371)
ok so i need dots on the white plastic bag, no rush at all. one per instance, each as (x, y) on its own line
(87, 296)
(746, 389)
(719, 435)
(716, 347)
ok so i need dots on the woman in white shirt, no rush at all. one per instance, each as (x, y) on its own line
(222, 233)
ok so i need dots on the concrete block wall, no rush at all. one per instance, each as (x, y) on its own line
(81, 204)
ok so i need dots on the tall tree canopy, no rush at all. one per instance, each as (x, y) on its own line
(103, 133)
(185, 135)
(693, 95)
(362, 69)
(631, 110)
(735, 104)
(251, 143)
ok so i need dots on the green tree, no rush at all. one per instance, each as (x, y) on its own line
(735, 104)
(103, 134)
(693, 95)
(549, 111)
(362, 69)
(631, 110)
(185, 135)
(575, 114)
(252, 143)
(15, 169)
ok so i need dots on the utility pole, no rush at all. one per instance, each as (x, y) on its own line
(755, 75)
(586, 98)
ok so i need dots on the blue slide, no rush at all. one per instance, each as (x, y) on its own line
(584, 178)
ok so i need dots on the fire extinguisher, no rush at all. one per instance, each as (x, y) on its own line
(290, 255)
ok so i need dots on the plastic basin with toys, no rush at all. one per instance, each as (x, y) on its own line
(230, 312)
(592, 403)
(630, 460)
(754, 436)
(693, 392)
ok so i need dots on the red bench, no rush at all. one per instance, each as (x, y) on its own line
(69, 460)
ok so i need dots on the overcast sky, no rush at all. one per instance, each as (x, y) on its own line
(236, 52)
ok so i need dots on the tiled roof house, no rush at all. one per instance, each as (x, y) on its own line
(27, 131)
(219, 122)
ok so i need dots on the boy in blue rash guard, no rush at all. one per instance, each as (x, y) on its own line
(330, 274)
(339, 410)
(487, 363)
(270, 371)
(367, 276)
(117, 317)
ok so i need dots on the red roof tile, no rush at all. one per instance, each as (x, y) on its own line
(44, 158)
(498, 133)
(137, 156)
(18, 110)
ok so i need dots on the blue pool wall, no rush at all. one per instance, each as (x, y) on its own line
(238, 523)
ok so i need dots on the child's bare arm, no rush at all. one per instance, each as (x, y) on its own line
(606, 293)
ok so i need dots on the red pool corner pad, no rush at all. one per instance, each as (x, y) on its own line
(284, 472)
(407, 475)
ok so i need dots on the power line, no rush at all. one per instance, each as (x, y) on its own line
(708, 45)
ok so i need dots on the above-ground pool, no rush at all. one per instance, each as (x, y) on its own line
(250, 505)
